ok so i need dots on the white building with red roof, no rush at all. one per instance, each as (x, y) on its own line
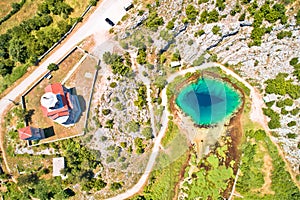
(60, 105)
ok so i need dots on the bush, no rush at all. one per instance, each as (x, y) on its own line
(147, 133)
(292, 123)
(52, 67)
(191, 12)
(113, 84)
(199, 33)
(291, 135)
(170, 25)
(115, 186)
(216, 29)
(106, 111)
(294, 61)
(283, 34)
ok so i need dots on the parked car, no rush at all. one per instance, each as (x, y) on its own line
(128, 6)
(109, 22)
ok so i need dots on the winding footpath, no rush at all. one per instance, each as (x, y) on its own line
(255, 109)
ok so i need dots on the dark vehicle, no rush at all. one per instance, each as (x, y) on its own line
(128, 6)
(109, 22)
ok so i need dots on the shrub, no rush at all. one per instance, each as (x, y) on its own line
(106, 111)
(170, 25)
(113, 84)
(291, 135)
(283, 34)
(216, 29)
(191, 12)
(199, 33)
(294, 61)
(292, 123)
(52, 67)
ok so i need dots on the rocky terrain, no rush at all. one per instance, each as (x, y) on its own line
(230, 45)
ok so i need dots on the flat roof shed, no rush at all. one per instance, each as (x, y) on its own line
(58, 165)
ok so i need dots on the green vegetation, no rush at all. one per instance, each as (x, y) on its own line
(162, 182)
(268, 13)
(295, 111)
(191, 13)
(251, 176)
(274, 116)
(116, 63)
(141, 58)
(132, 126)
(209, 17)
(282, 87)
(170, 25)
(199, 33)
(139, 145)
(292, 135)
(211, 176)
(15, 8)
(292, 123)
(285, 102)
(237, 9)
(141, 97)
(154, 21)
(283, 34)
(170, 134)
(242, 17)
(296, 65)
(106, 111)
(176, 56)
(220, 4)
(216, 30)
(202, 1)
(298, 18)
(147, 133)
(53, 67)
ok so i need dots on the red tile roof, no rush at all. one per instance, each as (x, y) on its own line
(25, 133)
(57, 88)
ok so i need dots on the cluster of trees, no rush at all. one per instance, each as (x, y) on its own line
(142, 55)
(298, 18)
(285, 102)
(237, 9)
(191, 13)
(216, 29)
(251, 176)
(170, 25)
(296, 65)
(116, 63)
(15, 8)
(220, 4)
(283, 34)
(274, 118)
(154, 21)
(22, 45)
(139, 145)
(199, 33)
(30, 186)
(141, 97)
(209, 17)
(268, 13)
(282, 87)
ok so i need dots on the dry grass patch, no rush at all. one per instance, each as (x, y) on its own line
(5, 7)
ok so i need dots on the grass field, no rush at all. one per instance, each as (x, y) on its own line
(30, 8)
(5, 7)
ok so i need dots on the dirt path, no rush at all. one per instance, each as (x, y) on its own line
(267, 170)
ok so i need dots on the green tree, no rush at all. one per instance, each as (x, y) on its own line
(53, 67)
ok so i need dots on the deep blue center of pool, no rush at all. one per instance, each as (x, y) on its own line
(208, 101)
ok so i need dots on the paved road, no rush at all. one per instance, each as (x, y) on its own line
(95, 24)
